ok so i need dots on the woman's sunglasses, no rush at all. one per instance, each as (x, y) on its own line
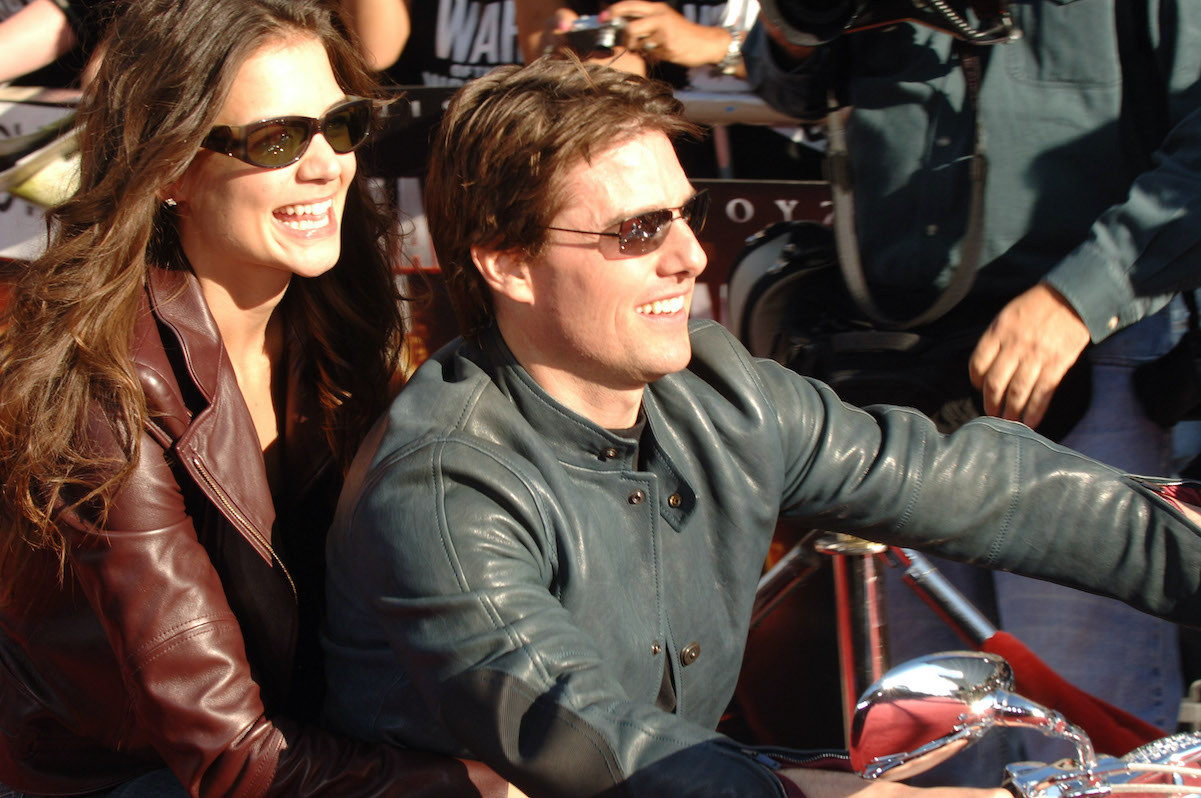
(646, 232)
(273, 143)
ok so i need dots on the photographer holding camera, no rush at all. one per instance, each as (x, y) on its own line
(641, 36)
(1086, 114)
(693, 45)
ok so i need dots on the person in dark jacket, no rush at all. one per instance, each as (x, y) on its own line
(187, 371)
(50, 42)
(546, 553)
(1079, 136)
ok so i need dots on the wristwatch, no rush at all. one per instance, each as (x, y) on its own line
(733, 57)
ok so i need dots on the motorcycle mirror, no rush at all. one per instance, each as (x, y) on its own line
(925, 711)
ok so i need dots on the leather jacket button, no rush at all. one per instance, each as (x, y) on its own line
(636, 497)
(689, 654)
(655, 648)
(608, 454)
(675, 500)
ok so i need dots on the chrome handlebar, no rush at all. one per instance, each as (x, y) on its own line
(925, 711)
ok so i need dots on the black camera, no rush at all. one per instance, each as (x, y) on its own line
(813, 22)
(589, 35)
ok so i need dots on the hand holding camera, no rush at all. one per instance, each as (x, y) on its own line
(654, 30)
(590, 34)
(594, 38)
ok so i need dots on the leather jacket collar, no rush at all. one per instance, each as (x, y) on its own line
(194, 400)
(583, 443)
(575, 439)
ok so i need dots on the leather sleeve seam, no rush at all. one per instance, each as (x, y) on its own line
(178, 634)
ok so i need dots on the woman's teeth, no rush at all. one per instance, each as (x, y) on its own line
(662, 306)
(305, 217)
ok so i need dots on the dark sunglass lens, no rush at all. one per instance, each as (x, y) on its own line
(644, 233)
(276, 143)
(696, 211)
(347, 127)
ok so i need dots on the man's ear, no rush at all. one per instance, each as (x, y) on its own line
(506, 272)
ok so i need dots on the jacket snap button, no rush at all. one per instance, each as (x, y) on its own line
(675, 500)
(636, 497)
(689, 654)
(655, 648)
(608, 454)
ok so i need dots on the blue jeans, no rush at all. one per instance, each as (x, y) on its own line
(1100, 645)
(155, 784)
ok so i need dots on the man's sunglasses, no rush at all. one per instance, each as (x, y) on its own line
(274, 143)
(646, 232)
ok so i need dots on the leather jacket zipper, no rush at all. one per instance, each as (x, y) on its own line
(242, 522)
(774, 757)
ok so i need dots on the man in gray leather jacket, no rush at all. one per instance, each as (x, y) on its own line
(546, 554)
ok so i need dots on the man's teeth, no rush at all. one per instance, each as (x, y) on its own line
(308, 217)
(662, 306)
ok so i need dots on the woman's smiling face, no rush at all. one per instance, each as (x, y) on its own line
(246, 225)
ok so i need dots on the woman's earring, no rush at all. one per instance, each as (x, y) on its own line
(169, 202)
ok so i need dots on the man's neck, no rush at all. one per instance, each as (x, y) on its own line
(607, 407)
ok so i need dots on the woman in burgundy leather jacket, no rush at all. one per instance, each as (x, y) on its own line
(186, 372)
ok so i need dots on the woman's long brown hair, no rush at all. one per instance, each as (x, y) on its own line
(65, 362)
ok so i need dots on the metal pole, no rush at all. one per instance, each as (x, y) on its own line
(861, 616)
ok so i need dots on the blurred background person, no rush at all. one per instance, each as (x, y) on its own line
(1090, 122)
(694, 46)
(382, 28)
(49, 42)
